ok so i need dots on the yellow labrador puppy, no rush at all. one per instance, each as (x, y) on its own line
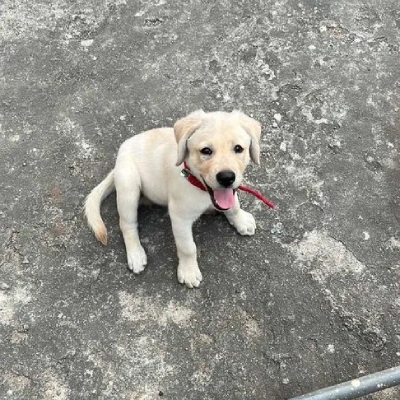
(216, 148)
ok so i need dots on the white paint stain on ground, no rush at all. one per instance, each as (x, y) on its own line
(54, 387)
(50, 383)
(344, 279)
(139, 308)
(24, 18)
(70, 129)
(86, 150)
(15, 383)
(304, 178)
(148, 6)
(143, 358)
(251, 326)
(10, 301)
(325, 256)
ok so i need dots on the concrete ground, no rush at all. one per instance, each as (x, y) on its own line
(311, 300)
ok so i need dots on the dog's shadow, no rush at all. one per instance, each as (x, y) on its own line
(155, 231)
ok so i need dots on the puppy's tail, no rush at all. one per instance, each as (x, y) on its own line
(92, 207)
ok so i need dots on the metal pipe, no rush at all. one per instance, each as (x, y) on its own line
(356, 387)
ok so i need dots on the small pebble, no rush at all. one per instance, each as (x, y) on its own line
(278, 117)
(87, 43)
(4, 286)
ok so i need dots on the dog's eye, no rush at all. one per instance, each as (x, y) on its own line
(238, 149)
(206, 151)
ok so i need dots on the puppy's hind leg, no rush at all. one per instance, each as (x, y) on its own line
(127, 184)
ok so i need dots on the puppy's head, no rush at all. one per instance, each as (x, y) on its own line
(217, 147)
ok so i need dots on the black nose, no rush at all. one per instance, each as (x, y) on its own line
(226, 178)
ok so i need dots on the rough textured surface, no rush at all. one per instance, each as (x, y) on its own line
(311, 300)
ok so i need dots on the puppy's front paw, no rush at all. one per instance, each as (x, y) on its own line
(189, 275)
(137, 260)
(244, 223)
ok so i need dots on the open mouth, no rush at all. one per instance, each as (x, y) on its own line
(222, 199)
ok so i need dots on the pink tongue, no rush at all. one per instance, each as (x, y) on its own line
(224, 198)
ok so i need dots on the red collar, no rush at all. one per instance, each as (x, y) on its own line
(186, 173)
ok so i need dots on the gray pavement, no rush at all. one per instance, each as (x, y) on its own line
(311, 300)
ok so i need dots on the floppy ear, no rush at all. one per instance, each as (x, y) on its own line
(183, 129)
(253, 128)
